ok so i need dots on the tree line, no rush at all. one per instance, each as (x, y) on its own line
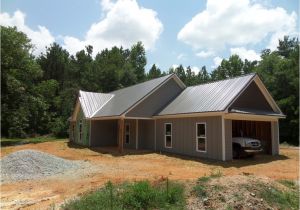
(38, 93)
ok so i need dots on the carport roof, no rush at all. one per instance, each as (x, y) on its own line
(209, 97)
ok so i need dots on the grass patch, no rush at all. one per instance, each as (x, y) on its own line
(281, 199)
(138, 195)
(11, 142)
(288, 183)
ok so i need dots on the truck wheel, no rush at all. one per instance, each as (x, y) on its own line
(236, 151)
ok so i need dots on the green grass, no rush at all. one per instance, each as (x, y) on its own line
(138, 195)
(280, 199)
(288, 183)
(16, 141)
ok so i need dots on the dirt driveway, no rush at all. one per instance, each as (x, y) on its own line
(106, 165)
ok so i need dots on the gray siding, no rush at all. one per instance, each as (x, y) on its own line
(157, 100)
(275, 138)
(228, 139)
(104, 133)
(252, 98)
(184, 136)
(146, 134)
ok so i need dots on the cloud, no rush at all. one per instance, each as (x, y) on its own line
(39, 38)
(124, 24)
(250, 55)
(195, 69)
(181, 56)
(205, 54)
(217, 61)
(236, 23)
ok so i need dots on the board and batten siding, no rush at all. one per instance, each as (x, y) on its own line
(184, 136)
(146, 134)
(157, 100)
(104, 133)
(84, 140)
(228, 139)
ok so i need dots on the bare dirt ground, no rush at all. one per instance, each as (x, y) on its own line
(106, 165)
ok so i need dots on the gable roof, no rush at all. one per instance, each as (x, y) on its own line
(214, 97)
(118, 102)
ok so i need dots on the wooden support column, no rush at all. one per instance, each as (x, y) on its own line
(121, 134)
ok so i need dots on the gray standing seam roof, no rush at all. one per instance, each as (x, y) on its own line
(117, 102)
(209, 97)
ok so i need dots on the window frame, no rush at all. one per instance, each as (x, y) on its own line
(127, 133)
(165, 126)
(197, 137)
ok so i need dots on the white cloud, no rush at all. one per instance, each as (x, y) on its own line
(243, 53)
(181, 56)
(124, 24)
(39, 38)
(217, 61)
(236, 23)
(195, 69)
(205, 54)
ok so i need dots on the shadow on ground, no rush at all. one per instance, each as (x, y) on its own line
(237, 163)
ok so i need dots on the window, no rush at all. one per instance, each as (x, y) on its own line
(168, 135)
(201, 137)
(127, 133)
(80, 130)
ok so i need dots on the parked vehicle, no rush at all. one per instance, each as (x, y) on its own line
(245, 146)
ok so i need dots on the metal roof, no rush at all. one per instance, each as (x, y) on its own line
(125, 98)
(209, 97)
(92, 102)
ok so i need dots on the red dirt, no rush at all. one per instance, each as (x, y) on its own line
(108, 165)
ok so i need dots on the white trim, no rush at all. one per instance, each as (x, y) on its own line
(140, 118)
(136, 134)
(237, 116)
(165, 135)
(156, 88)
(199, 114)
(108, 118)
(92, 115)
(127, 133)
(155, 135)
(223, 140)
(197, 137)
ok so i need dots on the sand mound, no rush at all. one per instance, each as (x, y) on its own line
(33, 164)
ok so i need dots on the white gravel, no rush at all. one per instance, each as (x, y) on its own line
(33, 164)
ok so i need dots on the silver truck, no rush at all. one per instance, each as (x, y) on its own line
(245, 146)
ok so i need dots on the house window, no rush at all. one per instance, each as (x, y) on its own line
(168, 135)
(127, 133)
(80, 130)
(201, 137)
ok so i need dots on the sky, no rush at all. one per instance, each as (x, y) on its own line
(188, 32)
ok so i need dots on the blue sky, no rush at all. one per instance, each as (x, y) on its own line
(189, 32)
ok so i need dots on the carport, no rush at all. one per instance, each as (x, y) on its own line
(260, 130)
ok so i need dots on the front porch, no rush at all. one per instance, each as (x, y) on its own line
(124, 133)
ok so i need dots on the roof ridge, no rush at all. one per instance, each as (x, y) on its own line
(168, 75)
(210, 82)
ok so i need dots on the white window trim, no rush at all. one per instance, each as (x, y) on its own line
(127, 124)
(168, 135)
(199, 123)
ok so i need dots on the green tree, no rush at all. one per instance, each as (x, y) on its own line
(19, 75)
(180, 72)
(138, 61)
(154, 72)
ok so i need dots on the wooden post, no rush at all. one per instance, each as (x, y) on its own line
(121, 134)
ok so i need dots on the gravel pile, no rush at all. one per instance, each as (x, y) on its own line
(33, 164)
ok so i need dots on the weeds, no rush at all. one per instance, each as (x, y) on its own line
(138, 195)
(288, 183)
(282, 199)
